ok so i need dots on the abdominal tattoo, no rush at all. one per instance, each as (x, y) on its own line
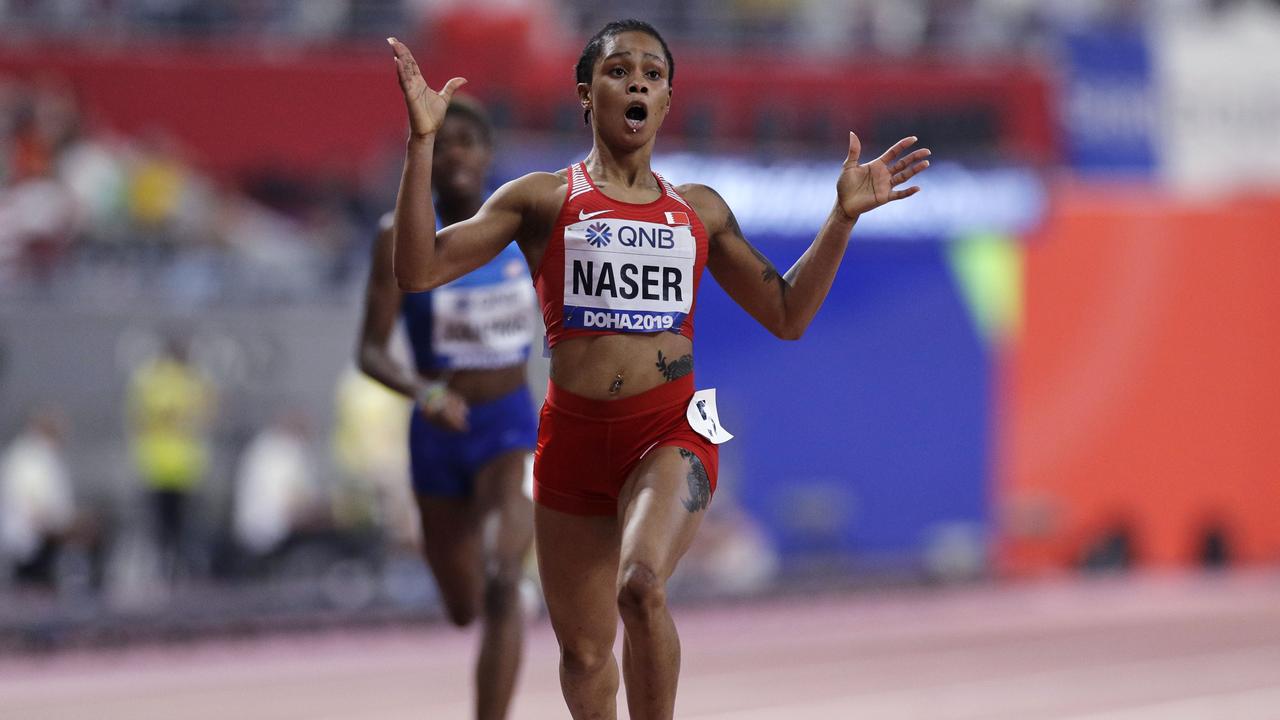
(699, 483)
(675, 369)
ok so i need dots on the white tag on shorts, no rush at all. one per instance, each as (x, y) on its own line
(703, 418)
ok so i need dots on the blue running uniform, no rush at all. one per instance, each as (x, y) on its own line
(442, 463)
(482, 320)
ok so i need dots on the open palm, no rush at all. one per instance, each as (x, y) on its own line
(426, 106)
(867, 187)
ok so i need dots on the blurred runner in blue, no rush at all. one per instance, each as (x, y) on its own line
(473, 427)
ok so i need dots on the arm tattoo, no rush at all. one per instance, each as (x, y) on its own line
(675, 369)
(769, 273)
(699, 483)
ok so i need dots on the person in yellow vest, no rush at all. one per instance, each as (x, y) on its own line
(170, 404)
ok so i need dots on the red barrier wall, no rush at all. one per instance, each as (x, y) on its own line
(1144, 390)
(235, 109)
(242, 107)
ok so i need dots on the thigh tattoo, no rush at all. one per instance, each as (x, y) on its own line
(699, 483)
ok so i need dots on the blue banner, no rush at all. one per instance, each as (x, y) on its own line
(869, 437)
(1109, 103)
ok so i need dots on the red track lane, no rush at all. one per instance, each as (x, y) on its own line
(1166, 648)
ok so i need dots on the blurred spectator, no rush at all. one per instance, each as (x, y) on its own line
(37, 220)
(37, 505)
(277, 496)
(314, 20)
(370, 427)
(170, 405)
(169, 202)
(277, 254)
(38, 215)
(96, 174)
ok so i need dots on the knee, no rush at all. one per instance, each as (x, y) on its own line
(460, 606)
(502, 594)
(584, 657)
(640, 592)
(461, 613)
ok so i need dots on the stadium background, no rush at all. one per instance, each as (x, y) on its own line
(1058, 358)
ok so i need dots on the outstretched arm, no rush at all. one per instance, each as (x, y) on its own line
(786, 303)
(424, 259)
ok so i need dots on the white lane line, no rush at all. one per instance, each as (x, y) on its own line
(1031, 695)
(1255, 704)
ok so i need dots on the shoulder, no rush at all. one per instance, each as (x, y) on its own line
(544, 179)
(710, 206)
(530, 193)
(533, 185)
(699, 193)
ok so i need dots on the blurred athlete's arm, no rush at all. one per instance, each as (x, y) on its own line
(786, 303)
(381, 307)
(424, 259)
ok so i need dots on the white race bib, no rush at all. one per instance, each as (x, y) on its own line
(627, 275)
(483, 326)
(704, 419)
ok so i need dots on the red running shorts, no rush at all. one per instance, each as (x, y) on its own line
(588, 448)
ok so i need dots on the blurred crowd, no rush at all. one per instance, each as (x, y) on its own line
(896, 27)
(89, 213)
(293, 503)
(299, 510)
(82, 208)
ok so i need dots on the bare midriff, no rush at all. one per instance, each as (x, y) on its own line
(610, 367)
(481, 386)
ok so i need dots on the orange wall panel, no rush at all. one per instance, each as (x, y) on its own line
(1144, 387)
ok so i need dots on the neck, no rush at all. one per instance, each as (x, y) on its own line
(457, 209)
(628, 168)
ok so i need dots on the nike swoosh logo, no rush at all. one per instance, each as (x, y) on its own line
(584, 215)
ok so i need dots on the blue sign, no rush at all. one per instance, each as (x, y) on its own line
(870, 437)
(1109, 102)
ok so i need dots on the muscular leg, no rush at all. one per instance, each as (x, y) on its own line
(578, 563)
(451, 545)
(660, 508)
(506, 526)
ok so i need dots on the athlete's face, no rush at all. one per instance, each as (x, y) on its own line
(460, 161)
(630, 90)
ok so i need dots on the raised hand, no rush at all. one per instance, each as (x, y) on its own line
(426, 106)
(867, 187)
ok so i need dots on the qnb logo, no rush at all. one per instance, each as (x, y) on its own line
(598, 234)
(656, 237)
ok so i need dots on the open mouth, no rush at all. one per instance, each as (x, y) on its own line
(636, 114)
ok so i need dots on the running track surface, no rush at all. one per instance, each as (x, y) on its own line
(1167, 648)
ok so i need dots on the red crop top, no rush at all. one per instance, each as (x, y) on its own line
(615, 267)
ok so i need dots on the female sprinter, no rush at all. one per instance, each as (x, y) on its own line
(474, 426)
(621, 476)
